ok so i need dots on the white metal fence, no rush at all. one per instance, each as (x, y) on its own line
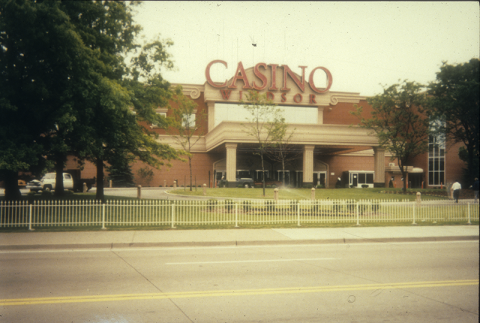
(228, 212)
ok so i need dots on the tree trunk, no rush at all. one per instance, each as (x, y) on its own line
(100, 193)
(404, 176)
(12, 191)
(190, 165)
(263, 174)
(59, 187)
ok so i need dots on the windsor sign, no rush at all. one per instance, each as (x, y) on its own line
(271, 78)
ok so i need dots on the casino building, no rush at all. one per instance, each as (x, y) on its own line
(328, 146)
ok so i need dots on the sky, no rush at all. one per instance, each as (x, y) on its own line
(365, 45)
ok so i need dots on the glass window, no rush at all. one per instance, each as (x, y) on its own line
(436, 158)
(188, 120)
(369, 178)
(361, 178)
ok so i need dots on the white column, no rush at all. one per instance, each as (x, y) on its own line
(320, 114)
(211, 115)
(231, 162)
(308, 164)
(379, 167)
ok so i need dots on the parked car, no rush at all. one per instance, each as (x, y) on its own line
(270, 183)
(47, 183)
(245, 182)
(34, 185)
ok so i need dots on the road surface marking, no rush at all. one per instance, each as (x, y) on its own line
(244, 261)
(244, 292)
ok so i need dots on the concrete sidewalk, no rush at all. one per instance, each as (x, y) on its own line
(232, 237)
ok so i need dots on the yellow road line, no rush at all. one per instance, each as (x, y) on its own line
(241, 292)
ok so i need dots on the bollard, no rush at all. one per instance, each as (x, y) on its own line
(419, 198)
(174, 184)
(204, 189)
(275, 194)
(312, 197)
(139, 192)
(84, 188)
(111, 183)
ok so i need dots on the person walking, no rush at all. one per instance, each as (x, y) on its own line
(475, 190)
(456, 187)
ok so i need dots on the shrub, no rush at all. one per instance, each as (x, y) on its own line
(46, 193)
(212, 203)
(229, 205)
(246, 206)
(270, 205)
(294, 206)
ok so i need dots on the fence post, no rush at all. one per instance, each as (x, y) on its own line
(414, 223)
(30, 218)
(103, 216)
(468, 207)
(298, 213)
(236, 214)
(139, 192)
(358, 216)
(173, 215)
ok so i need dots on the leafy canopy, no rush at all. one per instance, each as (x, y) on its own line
(455, 102)
(399, 120)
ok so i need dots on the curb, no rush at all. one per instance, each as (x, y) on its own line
(112, 246)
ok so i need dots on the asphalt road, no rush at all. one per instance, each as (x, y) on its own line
(369, 282)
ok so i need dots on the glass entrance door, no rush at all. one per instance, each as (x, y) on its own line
(320, 178)
(282, 175)
(299, 179)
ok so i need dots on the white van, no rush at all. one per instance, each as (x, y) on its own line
(48, 181)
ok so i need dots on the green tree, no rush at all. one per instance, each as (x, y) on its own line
(399, 121)
(264, 123)
(40, 53)
(282, 149)
(65, 86)
(120, 170)
(186, 125)
(455, 97)
(117, 97)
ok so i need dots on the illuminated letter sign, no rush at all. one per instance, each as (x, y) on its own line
(242, 76)
(273, 86)
(262, 77)
(329, 80)
(260, 81)
(207, 74)
(288, 71)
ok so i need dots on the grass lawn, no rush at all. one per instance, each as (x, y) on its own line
(305, 194)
